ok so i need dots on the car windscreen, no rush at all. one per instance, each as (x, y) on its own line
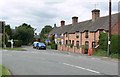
(42, 44)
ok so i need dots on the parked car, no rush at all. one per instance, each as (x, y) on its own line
(41, 46)
(35, 44)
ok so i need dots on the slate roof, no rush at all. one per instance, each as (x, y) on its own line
(60, 30)
(100, 23)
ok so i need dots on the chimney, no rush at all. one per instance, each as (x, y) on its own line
(62, 23)
(74, 20)
(55, 26)
(95, 14)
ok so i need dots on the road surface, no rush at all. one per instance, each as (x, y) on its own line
(54, 62)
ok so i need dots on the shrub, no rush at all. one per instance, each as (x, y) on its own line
(54, 46)
(103, 41)
(115, 44)
(71, 45)
(100, 53)
(18, 43)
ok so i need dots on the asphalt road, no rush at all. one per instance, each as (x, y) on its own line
(53, 62)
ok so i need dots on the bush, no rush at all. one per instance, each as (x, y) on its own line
(53, 45)
(100, 53)
(103, 41)
(71, 45)
(115, 44)
(18, 43)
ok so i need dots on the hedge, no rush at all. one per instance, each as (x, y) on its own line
(17, 43)
(115, 43)
(53, 45)
(103, 42)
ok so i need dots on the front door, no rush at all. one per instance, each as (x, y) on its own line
(86, 47)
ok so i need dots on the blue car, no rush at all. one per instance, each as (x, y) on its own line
(41, 46)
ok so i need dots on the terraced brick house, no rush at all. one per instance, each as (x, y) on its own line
(78, 37)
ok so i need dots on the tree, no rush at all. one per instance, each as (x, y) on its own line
(44, 33)
(25, 33)
(8, 31)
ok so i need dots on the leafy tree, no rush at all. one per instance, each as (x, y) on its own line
(44, 33)
(8, 31)
(25, 33)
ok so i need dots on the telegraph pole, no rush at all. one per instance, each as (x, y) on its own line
(109, 31)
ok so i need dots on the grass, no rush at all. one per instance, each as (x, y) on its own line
(16, 49)
(49, 47)
(103, 53)
(4, 71)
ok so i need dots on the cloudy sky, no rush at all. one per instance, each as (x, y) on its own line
(39, 13)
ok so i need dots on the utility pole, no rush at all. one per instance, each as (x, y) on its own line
(109, 31)
(3, 27)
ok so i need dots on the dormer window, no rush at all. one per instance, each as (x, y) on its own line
(77, 34)
(86, 34)
(66, 34)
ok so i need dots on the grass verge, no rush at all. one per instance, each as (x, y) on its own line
(103, 53)
(4, 71)
(16, 49)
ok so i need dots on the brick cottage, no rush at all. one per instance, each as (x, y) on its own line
(78, 37)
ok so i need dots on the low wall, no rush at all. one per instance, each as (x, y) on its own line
(69, 49)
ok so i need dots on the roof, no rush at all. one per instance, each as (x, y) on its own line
(99, 23)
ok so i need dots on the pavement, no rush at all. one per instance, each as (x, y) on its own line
(54, 62)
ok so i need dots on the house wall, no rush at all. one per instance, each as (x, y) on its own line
(92, 36)
(116, 28)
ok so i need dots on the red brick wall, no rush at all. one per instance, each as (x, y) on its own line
(116, 28)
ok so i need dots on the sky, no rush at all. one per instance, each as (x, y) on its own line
(39, 13)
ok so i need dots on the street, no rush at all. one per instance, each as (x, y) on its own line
(54, 62)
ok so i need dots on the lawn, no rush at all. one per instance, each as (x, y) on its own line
(4, 71)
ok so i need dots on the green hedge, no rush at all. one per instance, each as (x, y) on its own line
(18, 43)
(115, 43)
(53, 45)
(103, 41)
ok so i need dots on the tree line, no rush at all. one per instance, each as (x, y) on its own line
(22, 35)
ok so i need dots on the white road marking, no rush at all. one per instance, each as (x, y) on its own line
(82, 68)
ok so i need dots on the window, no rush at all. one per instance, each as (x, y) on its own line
(77, 43)
(69, 41)
(93, 44)
(86, 34)
(73, 42)
(77, 34)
